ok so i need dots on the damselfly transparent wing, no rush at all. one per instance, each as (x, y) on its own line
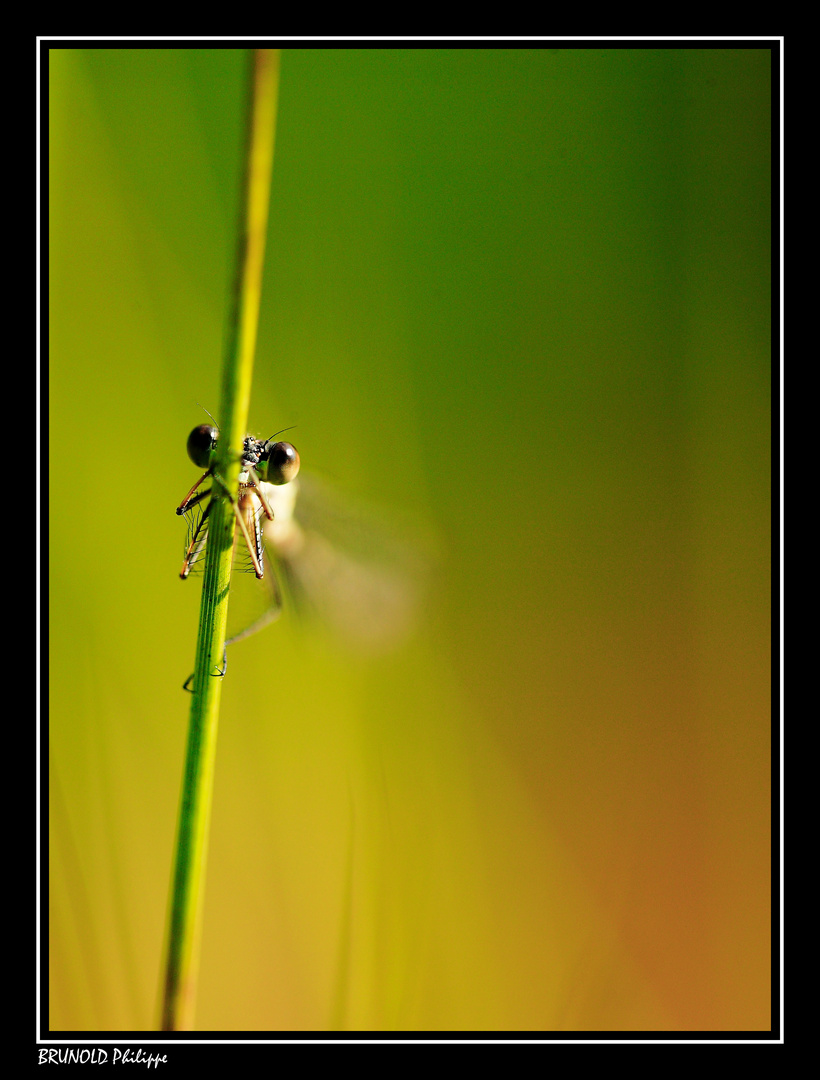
(349, 566)
(337, 563)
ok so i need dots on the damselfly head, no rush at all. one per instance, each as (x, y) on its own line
(276, 462)
(201, 444)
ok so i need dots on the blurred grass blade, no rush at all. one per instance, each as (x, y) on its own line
(181, 962)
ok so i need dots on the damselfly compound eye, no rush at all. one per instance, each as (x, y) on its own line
(201, 442)
(283, 463)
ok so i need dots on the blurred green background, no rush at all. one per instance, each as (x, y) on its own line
(521, 297)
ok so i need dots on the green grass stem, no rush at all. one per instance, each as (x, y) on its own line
(184, 930)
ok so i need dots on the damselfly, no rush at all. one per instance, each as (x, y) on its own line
(342, 563)
(267, 492)
(265, 465)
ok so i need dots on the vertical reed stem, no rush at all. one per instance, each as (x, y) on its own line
(184, 930)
